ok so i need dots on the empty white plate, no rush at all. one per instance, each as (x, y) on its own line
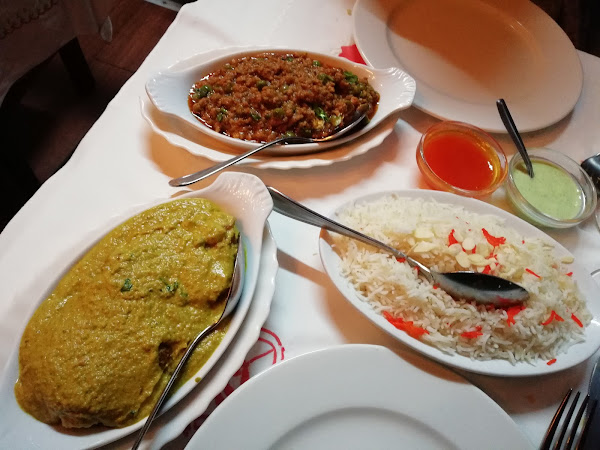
(358, 397)
(465, 54)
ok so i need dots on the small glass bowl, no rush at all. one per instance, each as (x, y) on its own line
(481, 139)
(561, 161)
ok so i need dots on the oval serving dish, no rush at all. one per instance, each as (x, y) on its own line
(242, 195)
(575, 354)
(169, 89)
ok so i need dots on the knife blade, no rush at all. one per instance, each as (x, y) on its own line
(591, 439)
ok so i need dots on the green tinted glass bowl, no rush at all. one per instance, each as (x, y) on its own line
(558, 159)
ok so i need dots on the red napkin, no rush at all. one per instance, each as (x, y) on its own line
(351, 52)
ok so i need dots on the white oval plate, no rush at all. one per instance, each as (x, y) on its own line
(168, 90)
(358, 397)
(465, 54)
(180, 134)
(574, 355)
(242, 195)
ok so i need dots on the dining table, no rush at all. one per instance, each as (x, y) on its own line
(123, 162)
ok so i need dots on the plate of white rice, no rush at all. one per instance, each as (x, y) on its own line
(556, 328)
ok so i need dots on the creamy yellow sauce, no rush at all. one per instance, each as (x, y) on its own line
(102, 345)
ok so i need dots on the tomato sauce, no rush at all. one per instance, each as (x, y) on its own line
(461, 160)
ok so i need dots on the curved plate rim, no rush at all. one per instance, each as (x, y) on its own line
(225, 192)
(576, 354)
(549, 36)
(346, 152)
(322, 392)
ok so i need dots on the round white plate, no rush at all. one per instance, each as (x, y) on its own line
(242, 195)
(576, 354)
(465, 54)
(358, 397)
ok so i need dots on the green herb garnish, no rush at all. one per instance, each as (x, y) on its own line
(350, 77)
(261, 84)
(221, 114)
(320, 113)
(324, 78)
(126, 285)
(255, 115)
(202, 92)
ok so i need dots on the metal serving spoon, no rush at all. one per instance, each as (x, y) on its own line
(478, 287)
(358, 117)
(592, 167)
(233, 297)
(510, 126)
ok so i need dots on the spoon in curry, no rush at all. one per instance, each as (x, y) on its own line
(473, 286)
(233, 297)
(357, 119)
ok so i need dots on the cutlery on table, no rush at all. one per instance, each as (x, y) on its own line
(233, 297)
(357, 119)
(479, 287)
(513, 132)
(583, 428)
(592, 167)
(591, 440)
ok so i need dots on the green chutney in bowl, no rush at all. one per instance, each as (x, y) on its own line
(560, 194)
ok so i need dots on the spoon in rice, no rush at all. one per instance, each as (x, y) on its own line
(473, 286)
(357, 119)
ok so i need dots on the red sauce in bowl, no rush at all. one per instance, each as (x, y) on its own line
(459, 158)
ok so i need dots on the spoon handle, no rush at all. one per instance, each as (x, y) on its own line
(171, 381)
(510, 126)
(202, 174)
(290, 208)
(357, 119)
(230, 304)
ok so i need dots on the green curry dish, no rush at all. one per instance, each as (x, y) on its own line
(127, 286)
(100, 348)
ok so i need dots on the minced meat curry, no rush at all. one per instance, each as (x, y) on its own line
(101, 347)
(264, 97)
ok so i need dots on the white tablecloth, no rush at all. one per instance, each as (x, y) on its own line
(121, 162)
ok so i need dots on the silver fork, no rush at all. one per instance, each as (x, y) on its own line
(577, 426)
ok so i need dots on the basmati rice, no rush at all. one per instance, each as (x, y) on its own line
(449, 238)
